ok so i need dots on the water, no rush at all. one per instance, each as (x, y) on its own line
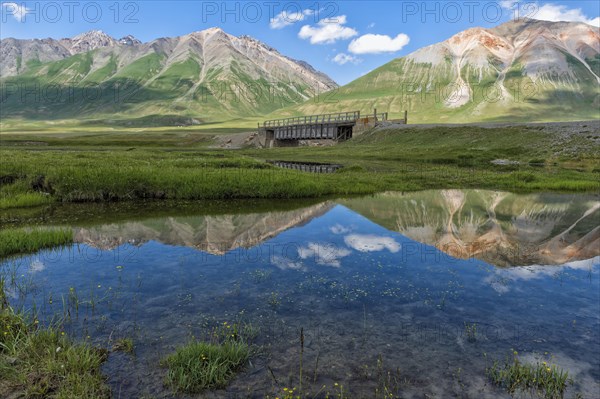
(382, 287)
(308, 167)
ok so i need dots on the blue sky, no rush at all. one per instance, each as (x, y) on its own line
(344, 39)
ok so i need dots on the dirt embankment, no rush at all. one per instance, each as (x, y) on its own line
(237, 140)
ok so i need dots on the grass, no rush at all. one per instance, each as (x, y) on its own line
(471, 331)
(20, 240)
(92, 176)
(124, 345)
(201, 365)
(274, 300)
(540, 379)
(105, 167)
(211, 364)
(18, 194)
(24, 200)
(44, 363)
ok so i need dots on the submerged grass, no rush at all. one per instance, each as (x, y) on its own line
(124, 345)
(540, 379)
(20, 240)
(45, 363)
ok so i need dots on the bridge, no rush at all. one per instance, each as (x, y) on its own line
(337, 127)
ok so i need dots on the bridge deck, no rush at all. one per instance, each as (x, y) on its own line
(314, 119)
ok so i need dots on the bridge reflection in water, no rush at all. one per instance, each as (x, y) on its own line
(307, 167)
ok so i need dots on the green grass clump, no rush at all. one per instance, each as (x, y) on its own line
(124, 345)
(198, 365)
(20, 241)
(19, 194)
(201, 365)
(45, 363)
(24, 200)
(540, 379)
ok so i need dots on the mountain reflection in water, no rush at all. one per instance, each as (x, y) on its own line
(362, 277)
(501, 228)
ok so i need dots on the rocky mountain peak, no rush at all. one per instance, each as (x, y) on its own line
(97, 37)
(214, 31)
(88, 41)
(129, 40)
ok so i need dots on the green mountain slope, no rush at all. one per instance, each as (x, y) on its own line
(202, 77)
(524, 70)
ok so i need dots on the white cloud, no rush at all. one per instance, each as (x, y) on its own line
(508, 4)
(17, 11)
(328, 30)
(285, 263)
(371, 25)
(326, 255)
(339, 229)
(549, 12)
(343, 58)
(36, 266)
(285, 18)
(501, 280)
(537, 271)
(371, 243)
(374, 44)
(559, 12)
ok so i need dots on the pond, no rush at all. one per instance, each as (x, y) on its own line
(412, 294)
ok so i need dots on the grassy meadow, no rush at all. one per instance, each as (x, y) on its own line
(40, 169)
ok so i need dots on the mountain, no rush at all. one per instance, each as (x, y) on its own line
(17, 56)
(203, 77)
(500, 228)
(523, 70)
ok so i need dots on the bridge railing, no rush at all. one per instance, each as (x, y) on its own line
(381, 116)
(313, 119)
